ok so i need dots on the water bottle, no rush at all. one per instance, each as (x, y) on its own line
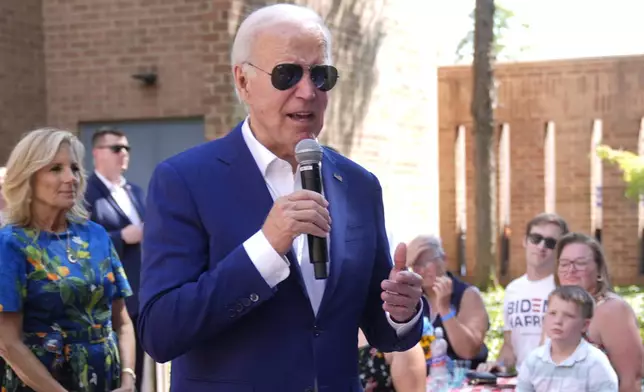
(439, 375)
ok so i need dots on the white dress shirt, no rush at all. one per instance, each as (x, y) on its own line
(122, 198)
(281, 181)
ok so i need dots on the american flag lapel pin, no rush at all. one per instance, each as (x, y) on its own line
(337, 177)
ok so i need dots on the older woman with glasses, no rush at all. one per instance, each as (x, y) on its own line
(458, 307)
(63, 322)
(614, 328)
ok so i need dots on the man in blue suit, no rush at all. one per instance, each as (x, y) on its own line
(227, 290)
(118, 206)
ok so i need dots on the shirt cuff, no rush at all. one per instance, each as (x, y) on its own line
(402, 329)
(273, 267)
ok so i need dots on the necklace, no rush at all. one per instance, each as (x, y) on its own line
(71, 255)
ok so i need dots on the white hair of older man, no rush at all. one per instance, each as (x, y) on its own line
(267, 17)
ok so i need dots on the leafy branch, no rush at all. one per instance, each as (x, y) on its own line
(503, 24)
(631, 166)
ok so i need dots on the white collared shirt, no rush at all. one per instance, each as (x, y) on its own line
(281, 181)
(587, 369)
(122, 198)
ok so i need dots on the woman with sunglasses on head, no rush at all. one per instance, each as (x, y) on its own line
(614, 327)
(63, 322)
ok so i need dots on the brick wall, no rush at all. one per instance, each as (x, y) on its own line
(572, 94)
(22, 74)
(94, 47)
(383, 113)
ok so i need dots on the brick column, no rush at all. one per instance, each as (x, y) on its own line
(527, 189)
(573, 149)
(619, 234)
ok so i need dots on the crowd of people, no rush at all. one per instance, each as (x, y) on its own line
(211, 271)
(559, 319)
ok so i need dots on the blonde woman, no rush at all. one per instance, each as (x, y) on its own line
(61, 283)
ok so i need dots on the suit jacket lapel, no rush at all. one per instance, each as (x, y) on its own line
(252, 191)
(335, 190)
(136, 202)
(108, 196)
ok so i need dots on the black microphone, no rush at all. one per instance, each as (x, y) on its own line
(308, 154)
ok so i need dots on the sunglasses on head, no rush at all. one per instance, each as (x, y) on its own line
(285, 76)
(117, 148)
(548, 242)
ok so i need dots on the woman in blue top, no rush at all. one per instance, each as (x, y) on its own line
(63, 321)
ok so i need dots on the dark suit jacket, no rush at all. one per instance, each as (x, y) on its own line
(105, 211)
(205, 306)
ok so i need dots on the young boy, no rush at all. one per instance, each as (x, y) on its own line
(566, 361)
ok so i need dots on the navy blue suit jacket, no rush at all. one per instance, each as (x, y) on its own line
(206, 307)
(105, 211)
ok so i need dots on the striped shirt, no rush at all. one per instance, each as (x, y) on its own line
(587, 369)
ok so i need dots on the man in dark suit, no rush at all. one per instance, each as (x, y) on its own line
(228, 293)
(118, 206)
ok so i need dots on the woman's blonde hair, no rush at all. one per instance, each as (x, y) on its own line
(34, 151)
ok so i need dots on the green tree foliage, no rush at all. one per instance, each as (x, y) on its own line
(631, 165)
(504, 22)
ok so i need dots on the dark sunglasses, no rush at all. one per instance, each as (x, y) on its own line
(285, 76)
(116, 148)
(536, 239)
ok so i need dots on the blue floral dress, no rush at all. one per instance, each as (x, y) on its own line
(66, 304)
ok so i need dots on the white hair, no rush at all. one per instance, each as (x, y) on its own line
(271, 16)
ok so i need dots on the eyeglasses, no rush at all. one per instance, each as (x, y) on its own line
(285, 76)
(117, 148)
(580, 265)
(536, 239)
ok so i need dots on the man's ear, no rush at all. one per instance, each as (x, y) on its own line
(241, 81)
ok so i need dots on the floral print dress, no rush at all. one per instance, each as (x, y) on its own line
(64, 285)
(375, 372)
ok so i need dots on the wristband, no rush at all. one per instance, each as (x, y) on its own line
(451, 314)
(130, 372)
